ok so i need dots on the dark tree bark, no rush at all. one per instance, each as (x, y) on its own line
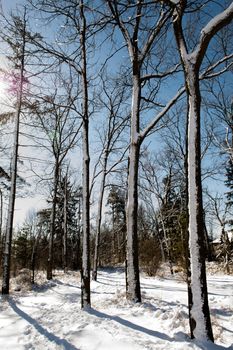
(85, 273)
(65, 226)
(11, 207)
(52, 221)
(1, 212)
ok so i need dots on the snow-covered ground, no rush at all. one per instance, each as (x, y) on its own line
(49, 317)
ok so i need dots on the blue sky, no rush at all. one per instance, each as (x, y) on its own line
(23, 204)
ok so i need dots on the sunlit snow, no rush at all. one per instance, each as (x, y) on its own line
(49, 317)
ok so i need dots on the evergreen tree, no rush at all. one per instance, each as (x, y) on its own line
(171, 222)
(23, 247)
(116, 201)
(67, 225)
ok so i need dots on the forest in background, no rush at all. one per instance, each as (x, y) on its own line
(109, 111)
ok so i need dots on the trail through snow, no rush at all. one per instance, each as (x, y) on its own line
(49, 317)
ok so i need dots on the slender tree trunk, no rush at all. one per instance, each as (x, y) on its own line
(10, 217)
(65, 227)
(99, 218)
(206, 237)
(33, 261)
(162, 250)
(1, 212)
(167, 243)
(78, 251)
(52, 222)
(85, 273)
(201, 324)
(11, 207)
(160, 242)
(1, 233)
(133, 282)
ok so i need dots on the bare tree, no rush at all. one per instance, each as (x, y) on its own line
(75, 40)
(55, 116)
(85, 273)
(140, 40)
(111, 139)
(191, 61)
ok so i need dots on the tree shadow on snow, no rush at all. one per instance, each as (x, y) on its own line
(221, 312)
(51, 284)
(129, 324)
(220, 294)
(205, 345)
(50, 336)
(40, 288)
(66, 284)
(111, 269)
(109, 282)
(178, 337)
(164, 288)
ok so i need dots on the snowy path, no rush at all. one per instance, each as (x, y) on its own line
(50, 317)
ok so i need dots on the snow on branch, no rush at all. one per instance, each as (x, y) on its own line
(207, 33)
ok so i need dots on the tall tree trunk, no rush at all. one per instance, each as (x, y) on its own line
(78, 250)
(186, 237)
(65, 227)
(1, 212)
(11, 207)
(201, 324)
(133, 282)
(52, 221)
(85, 273)
(99, 218)
(33, 262)
(199, 309)
(10, 216)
